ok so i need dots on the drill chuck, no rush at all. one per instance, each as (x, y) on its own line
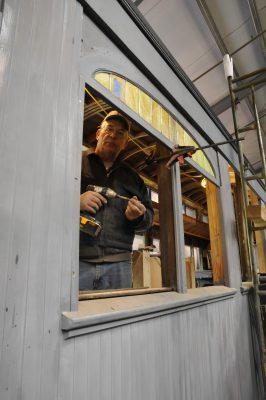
(106, 192)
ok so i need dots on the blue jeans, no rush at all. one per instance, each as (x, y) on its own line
(115, 275)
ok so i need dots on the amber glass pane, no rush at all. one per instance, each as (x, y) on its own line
(156, 117)
(172, 129)
(145, 106)
(118, 87)
(132, 97)
(165, 123)
(104, 79)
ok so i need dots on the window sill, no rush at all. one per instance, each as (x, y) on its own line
(246, 287)
(99, 314)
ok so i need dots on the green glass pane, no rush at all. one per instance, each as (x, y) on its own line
(132, 97)
(196, 158)
(200, 158)
(145, 106)
(104, 79)
(118, 87)
(156, 115)
(180, 135)
(187, 139)
(176, 138)
(165, 123)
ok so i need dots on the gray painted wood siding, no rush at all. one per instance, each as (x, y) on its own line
(203, 353)
(40, 139)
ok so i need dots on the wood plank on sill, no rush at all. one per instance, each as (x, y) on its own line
(103, 294)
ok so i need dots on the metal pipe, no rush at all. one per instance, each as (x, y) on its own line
(249, 75)
(253, 83)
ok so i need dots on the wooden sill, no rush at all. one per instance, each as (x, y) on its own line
(99, 314)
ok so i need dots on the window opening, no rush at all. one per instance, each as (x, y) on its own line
(146, 246)
(201, 216)
(149, 267)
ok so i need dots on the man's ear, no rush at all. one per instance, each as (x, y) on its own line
(125, 143)
(98, 133)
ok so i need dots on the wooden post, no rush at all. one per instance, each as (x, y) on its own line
(258, 214)
(215, 233)
(167, 229)
(243, 250)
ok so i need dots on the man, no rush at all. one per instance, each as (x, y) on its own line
(105, 260)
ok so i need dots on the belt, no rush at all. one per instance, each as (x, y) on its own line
(109, 258)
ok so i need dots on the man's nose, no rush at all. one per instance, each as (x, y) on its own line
(113, 133)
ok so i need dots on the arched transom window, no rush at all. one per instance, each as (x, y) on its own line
(153, 113)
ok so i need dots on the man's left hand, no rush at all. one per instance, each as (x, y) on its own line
(135, 209)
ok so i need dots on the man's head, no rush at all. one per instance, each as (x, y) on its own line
(112, 136)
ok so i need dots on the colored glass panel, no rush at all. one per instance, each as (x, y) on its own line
(156, 115)
(104, 79)
(180, 135)
(172, 129)
(145, 106)
(132, 97)
(165, 123)
(118, 86)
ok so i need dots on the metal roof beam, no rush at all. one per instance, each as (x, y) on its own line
(257, 24)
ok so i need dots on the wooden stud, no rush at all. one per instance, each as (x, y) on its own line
(167, 230)
(215, 233)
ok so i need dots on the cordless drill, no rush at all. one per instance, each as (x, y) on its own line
(89, 224)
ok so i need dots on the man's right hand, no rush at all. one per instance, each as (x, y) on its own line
(91, 201)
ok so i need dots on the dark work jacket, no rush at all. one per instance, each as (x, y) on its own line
(118, 232)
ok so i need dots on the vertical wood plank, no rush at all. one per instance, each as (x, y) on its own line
(19, 194)
(80, 368)
(37, 141)
(65, 375)
(260, 248)
(215, 233)
(116, 365)
(126, 363)
(167, 229)
(105, 365)
(242, 241)
(94, 365)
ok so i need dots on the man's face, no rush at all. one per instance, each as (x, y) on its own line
(111, 138)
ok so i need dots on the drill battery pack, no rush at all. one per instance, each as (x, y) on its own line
(89, 225)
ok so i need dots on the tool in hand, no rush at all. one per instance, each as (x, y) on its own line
(105, 191)
(89, 224)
